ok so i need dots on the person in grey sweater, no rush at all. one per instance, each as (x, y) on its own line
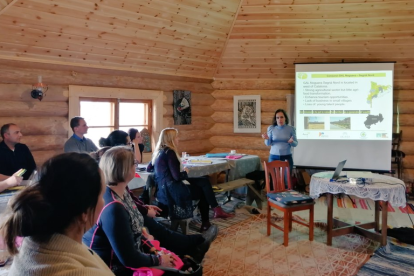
(52, 215)
(78, 142)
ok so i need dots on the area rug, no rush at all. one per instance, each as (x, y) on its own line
(245, 249)
(395, 259)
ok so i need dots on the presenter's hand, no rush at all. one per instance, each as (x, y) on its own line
(290, 140)
(186, 170)
(265, 136)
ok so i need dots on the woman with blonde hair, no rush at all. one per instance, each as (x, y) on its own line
(169, 177)
(119, 236)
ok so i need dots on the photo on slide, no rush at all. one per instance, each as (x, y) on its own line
(340, 123)
(312, 122)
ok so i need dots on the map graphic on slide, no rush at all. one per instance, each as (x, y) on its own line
(373, 120)
(376, 89)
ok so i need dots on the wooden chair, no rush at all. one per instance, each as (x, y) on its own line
(275, 174)
(397, 156)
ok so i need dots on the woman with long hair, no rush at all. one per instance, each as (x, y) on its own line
(281, 137)
(118, 236)
(136, 141)
(167, 164)
(119, 138)
(52, 216)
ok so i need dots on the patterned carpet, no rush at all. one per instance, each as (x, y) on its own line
(398, 259)
(244, 249)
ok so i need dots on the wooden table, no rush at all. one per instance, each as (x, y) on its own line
(383, 190)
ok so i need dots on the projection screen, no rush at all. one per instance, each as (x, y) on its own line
(344, 111)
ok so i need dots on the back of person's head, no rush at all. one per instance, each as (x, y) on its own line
(274, 122)
(74, 122)
(69, 186)
(166, 140)
(116, 164)
(97, 155)
(115, 138)
(5, 128)
(132, 132)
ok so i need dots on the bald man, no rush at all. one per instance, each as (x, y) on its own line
(14, 155)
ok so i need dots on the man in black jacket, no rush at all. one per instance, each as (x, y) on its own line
(13, 155)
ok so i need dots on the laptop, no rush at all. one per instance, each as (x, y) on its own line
(338, 170)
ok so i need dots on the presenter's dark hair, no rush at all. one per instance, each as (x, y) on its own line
(5, 128)
(115, 138)
(284, 114)
(69, 186)
(74, 122)
(132, 133)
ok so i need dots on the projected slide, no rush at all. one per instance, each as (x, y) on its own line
(344, 105)
(344, 111)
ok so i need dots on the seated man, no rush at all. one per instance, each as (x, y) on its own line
(79, 143)
(13, 155)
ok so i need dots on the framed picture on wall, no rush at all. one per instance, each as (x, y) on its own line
(246, 114)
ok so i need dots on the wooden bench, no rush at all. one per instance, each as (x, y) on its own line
(232, 185)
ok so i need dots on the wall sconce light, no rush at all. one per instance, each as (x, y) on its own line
(39, 89)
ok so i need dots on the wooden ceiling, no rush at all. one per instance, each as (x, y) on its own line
(209, 39)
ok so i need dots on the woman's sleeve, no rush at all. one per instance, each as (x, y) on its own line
(295, 140)
(174, 166)
(268, 142)
(115, 223)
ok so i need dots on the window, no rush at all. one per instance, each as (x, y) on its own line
(105, 115)
(77, 92)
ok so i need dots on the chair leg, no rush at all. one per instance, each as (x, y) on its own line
(184, 226)
(268, 219)
(290, 221)
(311, 224)
(174, 224)
(286, 228)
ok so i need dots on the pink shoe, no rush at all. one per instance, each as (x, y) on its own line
(219, 213)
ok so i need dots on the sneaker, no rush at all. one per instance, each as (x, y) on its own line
(209, 236)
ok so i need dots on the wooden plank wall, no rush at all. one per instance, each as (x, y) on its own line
(45, 123)
(224, 139)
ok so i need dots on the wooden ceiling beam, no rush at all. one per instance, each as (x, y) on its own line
(5, 5)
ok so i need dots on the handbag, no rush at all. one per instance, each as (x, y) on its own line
(188, 264)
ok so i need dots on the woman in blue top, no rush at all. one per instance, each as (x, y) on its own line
(281, 137)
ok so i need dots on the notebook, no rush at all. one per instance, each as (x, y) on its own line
(290, 197)
(338, 170)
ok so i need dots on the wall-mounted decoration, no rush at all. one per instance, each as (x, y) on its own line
(247, 114)
(182, 107)
(146, 139)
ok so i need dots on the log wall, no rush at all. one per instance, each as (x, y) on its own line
(45, 124)
(273, 96)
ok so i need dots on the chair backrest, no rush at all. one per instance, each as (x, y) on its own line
(396, 140)
(275, 174)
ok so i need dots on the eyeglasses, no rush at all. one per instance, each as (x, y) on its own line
(136, 162)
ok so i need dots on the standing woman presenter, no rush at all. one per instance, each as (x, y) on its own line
(281, 137)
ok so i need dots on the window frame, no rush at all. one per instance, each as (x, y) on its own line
(91, 92)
